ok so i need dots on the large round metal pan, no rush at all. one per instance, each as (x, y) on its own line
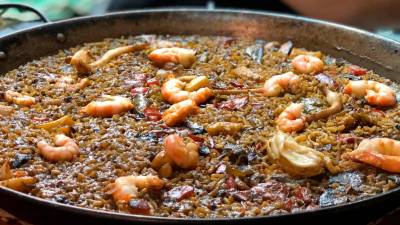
(359, 47)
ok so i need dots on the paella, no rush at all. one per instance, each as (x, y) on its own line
(198, 126)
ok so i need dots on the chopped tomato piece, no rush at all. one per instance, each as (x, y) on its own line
(179, 193)
(152, 82)
(236, 103)
(378, 111)
(152, 114)
(230, 182)
(196, 138)
(357, 71)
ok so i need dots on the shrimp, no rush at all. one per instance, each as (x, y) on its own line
(334, 100)
(290, 120)
(163, 164)
(173, 92)
(19, 99)
(111, 106)
(81, 60)
(66, 151)
(184, 155)
(374, 92)
(383, 153)
(183, 56)
(126, 188)
(178, 112)
(307, 64)
(67, 83)
(280, 83)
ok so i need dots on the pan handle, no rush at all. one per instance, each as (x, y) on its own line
(23, 7)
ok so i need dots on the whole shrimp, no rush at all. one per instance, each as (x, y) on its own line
(66, 151)
(178, 112)
(172, 91)
(290, 120)
(183, 56)
(111, 106)
(126, 188)
(280, 83)
(184, 155)
(383, 153)
(374, 92)
(19, 99)
(307, 64)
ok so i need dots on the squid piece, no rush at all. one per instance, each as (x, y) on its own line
(295, 159)
(334, 100)
(82, 59)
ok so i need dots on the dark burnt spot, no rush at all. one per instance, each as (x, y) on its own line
(332, 197)
(195, 128)
(19, 160)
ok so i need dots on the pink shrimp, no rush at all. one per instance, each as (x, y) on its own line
(178, 112)
(374, 92)
(307, 64)
(173, 92)
(183, 56)
(184, 155)
(19, 99)
(126, 188)
(280, 83)
(66, 151)
(290, 120)
(111, 106)
(383, 153)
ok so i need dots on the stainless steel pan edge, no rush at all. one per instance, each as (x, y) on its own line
(357, 46)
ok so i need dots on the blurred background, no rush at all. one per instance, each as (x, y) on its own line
(380, 16)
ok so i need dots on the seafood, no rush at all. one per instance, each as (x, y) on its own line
(184, 155)
(296, 159)
(126, 188)
(185, 57)
(374, 92)
(19, 99)
(307, 64)
(66, 149)
(383, 153)
(281, 83)
(290, 120)
(208, 139)
(163, 164)
(178, 112)
(227, 128)
(110, 106)
(172, 91)
(334, 100)
(81, 60)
